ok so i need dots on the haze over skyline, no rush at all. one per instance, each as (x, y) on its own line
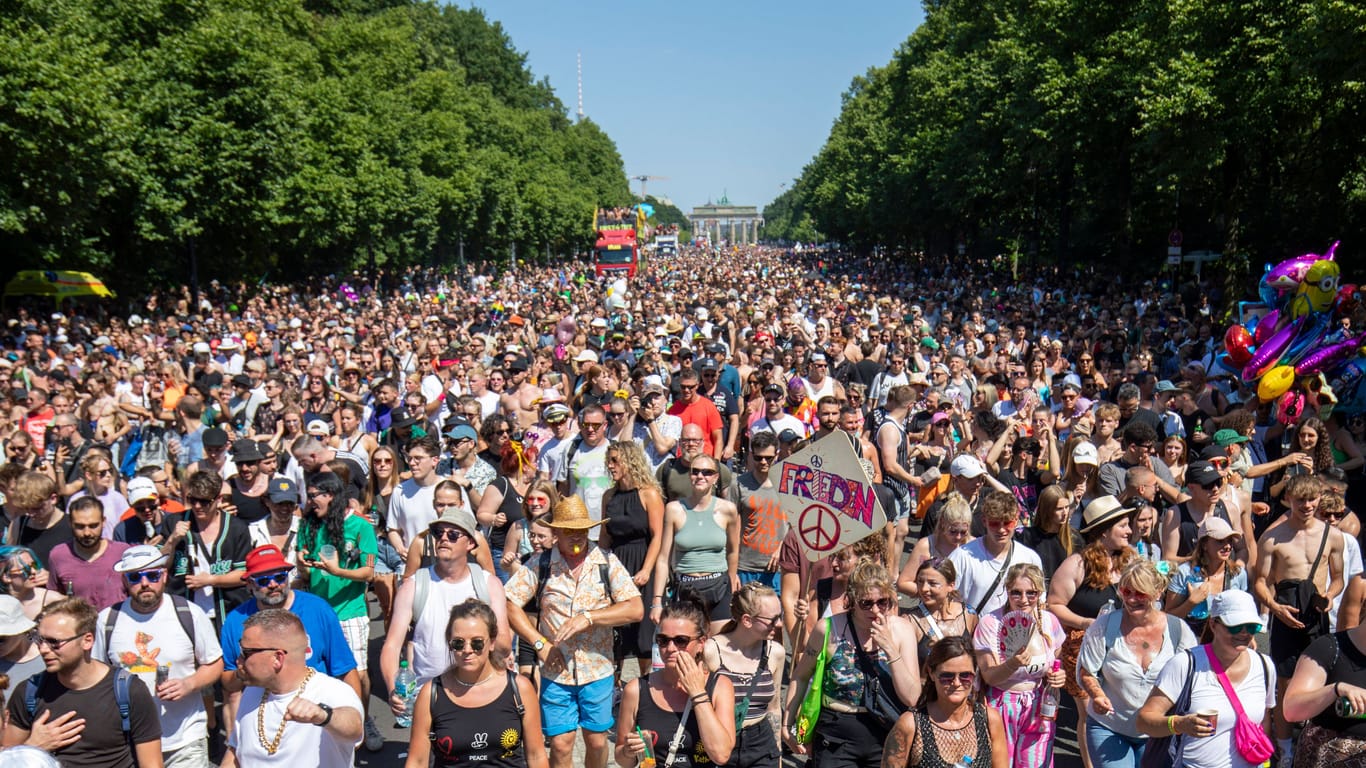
(718, 98)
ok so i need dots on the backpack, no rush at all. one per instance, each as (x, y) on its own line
(543, 575)
(182, 612)
(121, 697)
(422, 584)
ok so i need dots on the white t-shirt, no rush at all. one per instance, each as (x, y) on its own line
(141, 641)
(1351, 566)
(302, 744)
(260, 535)
(1256, 692)
(1125, 682)
(776, 426)
(488, 403)
(550, 463)
(977, 569)
(434, 389)
(586, 471)
(411, 509)
(430, 654)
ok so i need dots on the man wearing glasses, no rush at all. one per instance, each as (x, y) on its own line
(1140, 442)
(209, 549)
(74, 718)
(762, 522)
(584, 472)
(170, 644)
(411, 507)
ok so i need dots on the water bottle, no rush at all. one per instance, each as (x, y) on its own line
(1200, 611)
(405, 687)
(966, 762)
(1048, 705)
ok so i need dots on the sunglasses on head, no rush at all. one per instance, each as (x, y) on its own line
(457, 644)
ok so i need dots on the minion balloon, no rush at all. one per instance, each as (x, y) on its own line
(1317, 290)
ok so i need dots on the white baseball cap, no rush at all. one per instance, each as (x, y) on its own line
(968, 466)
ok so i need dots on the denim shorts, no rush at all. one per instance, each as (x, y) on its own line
(388, 561)
(566, 708)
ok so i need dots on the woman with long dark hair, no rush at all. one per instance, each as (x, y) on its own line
(476, 710)
(941, 613)
(337, 552)
(952, 721)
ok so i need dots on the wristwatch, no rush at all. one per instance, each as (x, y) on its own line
(539, 644)
(327, 711)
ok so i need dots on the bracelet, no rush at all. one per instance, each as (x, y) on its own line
(893, 661)
(1335, 688)
(1171, 727)
(701, 698)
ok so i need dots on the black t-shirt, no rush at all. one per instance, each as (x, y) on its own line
(1026, 489)
(42, 542)
(1344, 663)
(727, 405)
(1148, 417)
(102, 743)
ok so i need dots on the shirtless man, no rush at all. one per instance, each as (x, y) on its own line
(1295, 549)
(520, 399)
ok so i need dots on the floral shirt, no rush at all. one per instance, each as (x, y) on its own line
(587, 655)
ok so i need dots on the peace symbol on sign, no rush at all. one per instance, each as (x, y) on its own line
(819, 527)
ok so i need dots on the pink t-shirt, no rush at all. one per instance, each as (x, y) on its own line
(1044, 646)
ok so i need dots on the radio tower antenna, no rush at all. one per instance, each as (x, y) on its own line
(579, 56)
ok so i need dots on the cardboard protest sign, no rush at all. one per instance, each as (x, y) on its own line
(827, 497)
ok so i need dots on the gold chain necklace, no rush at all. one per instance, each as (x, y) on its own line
(273, 746)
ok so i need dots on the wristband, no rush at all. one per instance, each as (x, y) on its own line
(1335, 688)
(1171, 727)
(893, 661)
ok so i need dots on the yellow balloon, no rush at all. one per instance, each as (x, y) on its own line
(1275, 382)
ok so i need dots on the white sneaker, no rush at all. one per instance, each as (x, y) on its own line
(374, 740)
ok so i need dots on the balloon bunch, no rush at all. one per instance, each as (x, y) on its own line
(497, 312)
(1298, 354)
(348, 293)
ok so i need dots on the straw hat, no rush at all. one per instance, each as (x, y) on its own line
(572, 514)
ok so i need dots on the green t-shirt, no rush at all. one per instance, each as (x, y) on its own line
(346, 597)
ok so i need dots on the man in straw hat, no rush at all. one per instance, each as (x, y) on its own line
(584, 592)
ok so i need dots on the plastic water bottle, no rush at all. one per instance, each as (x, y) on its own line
(1048, 706)
(1200, 611)
(405, 687)
(966, 762)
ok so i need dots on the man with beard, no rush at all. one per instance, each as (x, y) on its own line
(519, 401)
(320, 713)
(693, 409)
(81, 567)
(267, 575)
(69, 713)
(584, 472)
(247, 488)
(170, 644)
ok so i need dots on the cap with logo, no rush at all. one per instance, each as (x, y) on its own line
(141, 489)
(282, 489)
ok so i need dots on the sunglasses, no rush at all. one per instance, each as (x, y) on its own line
(476, 644)
(266, 579)
(1243, 629)
(883, 603)
(677, 641)
(136, 577)
(702, 472)
(245, 653)
(1028, 594)
(448, 534)
(965, 679)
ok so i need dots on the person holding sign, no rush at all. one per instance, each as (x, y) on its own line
(870, 674)
(1017, 651)
(701, 546)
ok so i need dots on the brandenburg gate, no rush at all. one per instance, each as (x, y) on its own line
(721, 221)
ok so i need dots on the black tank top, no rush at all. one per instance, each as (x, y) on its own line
(661, 724)
(627, 520)
(1189, 530)
(490, 735)
(925, 752)
(249, 508)
(1087, 600)
(511, 508)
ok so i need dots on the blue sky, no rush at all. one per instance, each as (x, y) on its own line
(720, 97)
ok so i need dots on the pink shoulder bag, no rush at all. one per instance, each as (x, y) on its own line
(1249, 738)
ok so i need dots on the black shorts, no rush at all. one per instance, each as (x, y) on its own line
(714, 589)
(755, 747)
(847, 740)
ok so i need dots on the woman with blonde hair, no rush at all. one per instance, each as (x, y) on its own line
(633, 511)
(868, 645)
(745, 652)
(1015, 683)
(951, 531)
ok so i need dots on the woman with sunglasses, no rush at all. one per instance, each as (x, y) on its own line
(476, 713)
(1121, 656)
(1214, 569)
(682, 711)
(952, 721)
(24, 579)
(1201, 741)
(383, 481)
(868, 640)
(1015, 684)
(941, 613)
(952, 530)
(745, 653)
(701, 545)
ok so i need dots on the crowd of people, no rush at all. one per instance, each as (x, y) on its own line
(554, 497)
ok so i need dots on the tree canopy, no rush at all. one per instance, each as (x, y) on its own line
(281, 136)
(1071, 130)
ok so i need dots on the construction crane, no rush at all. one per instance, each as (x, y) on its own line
(644, 179)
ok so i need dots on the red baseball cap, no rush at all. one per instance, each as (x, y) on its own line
(266, 558)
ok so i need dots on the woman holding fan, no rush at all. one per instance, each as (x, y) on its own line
(1017, 653)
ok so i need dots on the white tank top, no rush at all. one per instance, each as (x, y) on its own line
(430, 654)
(827, 388)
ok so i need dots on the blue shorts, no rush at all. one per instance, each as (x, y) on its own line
(566, 708)
(387, 561)
(766, 578)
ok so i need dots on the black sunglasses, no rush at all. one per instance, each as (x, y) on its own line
(457, 644)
